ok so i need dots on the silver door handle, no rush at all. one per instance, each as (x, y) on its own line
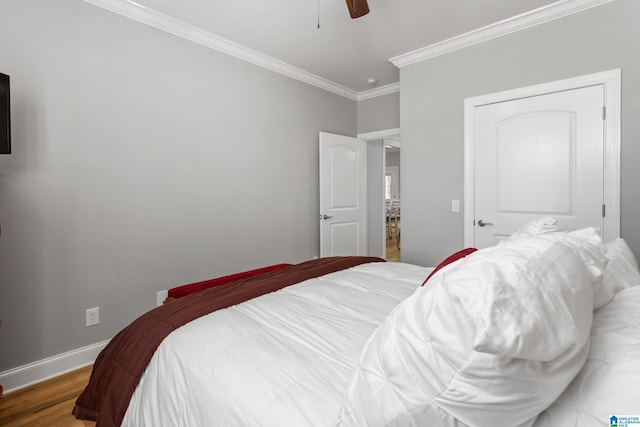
(325, 217)
(481, 223)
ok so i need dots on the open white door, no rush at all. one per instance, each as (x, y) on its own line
(343, 195)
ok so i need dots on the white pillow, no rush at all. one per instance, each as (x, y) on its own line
(618, 249)
(496, 338)
(592, 250)
(540, 226)
(622, 265)
(530, 294)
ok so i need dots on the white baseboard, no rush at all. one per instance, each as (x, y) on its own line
(33, 373)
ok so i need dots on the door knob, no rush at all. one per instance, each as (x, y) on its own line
(481, 223)
(325, 216)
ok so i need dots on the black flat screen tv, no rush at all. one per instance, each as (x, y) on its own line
(5, 115)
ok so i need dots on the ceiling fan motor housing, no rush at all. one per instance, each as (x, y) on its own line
(357, 8)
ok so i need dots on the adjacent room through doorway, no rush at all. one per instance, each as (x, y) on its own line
(392, 197)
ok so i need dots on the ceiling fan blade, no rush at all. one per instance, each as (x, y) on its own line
(357, 8)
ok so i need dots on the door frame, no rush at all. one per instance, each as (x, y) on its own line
(395, 188)
(611, 80)
(373, 136)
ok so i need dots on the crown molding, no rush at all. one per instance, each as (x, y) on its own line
(189, 32)
(379, 91)
(152, 18)
(520, 22)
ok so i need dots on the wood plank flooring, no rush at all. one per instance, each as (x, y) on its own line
(47, 404)
(393, 249)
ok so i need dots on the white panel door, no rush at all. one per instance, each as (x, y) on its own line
(539, 156)
(343, 195)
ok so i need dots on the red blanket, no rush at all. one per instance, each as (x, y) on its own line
(180, 291)
(120, 365)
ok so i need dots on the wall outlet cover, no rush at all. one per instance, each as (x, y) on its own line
(93, 316)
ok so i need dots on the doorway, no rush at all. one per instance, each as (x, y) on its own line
(376, 217)
(392, 197)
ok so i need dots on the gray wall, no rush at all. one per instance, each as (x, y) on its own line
(432, 115)
(141, 161)
(380, 113)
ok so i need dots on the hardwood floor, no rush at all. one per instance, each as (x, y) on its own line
(47, 404)
(393, 249)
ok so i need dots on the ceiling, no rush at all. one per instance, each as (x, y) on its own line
(343, 51)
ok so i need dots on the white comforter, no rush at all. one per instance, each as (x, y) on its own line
(287, 358)
(225, 370)
(608, 383)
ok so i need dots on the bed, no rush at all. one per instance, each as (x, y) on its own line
(543, 329)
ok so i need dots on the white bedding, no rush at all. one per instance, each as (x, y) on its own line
(493, 340)
(290, 358)
(608, 384)
(283, 359)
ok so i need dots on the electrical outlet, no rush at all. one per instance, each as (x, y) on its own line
(160, 297)
(93, 316)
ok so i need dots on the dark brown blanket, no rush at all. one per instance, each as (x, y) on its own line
(119, 367)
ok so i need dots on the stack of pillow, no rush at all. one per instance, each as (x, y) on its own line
(494, 337)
